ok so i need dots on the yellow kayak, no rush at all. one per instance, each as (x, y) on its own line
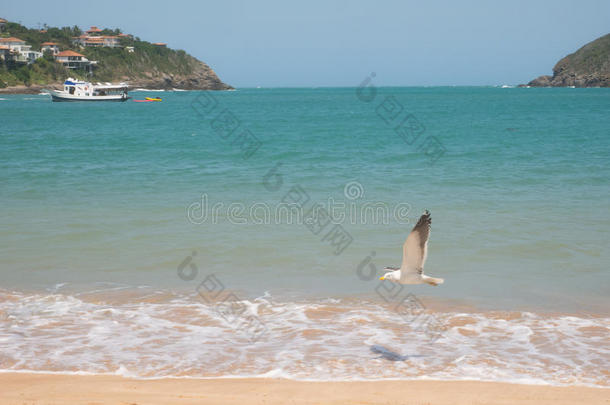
(153, 98)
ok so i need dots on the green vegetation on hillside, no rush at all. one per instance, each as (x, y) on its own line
(41, 72)
(116, 63)
(113, 64)
(587, 67)
(594, 57)
(63, 36)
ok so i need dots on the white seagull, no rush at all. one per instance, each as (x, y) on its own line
(414, 254)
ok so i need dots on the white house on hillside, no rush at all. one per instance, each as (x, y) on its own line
(93, 37)
(6, 53)
(93, 31)
(74, 60)
(23, 52)
(110, 41)
(50, 46)
(13, 42)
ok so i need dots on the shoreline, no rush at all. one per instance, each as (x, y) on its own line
(25, 89)
(16, 90)
(37, 89)
(38, 388)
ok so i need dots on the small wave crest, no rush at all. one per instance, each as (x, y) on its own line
(146, 90)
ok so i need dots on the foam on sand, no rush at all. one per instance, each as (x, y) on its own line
(166, 335)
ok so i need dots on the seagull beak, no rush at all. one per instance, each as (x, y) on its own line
(382, 278)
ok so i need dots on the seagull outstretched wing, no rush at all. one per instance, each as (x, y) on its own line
(415, 249)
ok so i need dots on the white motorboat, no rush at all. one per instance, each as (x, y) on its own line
(75, 90)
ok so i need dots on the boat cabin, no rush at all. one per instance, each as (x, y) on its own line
(85, 89)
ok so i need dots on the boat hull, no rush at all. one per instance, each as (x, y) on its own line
(55, 96)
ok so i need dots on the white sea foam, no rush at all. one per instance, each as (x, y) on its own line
(146, 90)
(181, 336)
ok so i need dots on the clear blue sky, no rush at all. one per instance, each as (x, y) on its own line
(279, 43)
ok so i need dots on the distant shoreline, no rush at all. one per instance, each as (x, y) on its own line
(23, 89)
(37, 89)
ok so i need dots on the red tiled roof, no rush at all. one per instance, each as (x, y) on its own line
(49, 43)
(11, 39)
(2, 20)
(94, 29)
(5, 47)
(159, 43)
(69, 53)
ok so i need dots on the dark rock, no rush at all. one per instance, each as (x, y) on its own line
(587, 67)
(541, 81)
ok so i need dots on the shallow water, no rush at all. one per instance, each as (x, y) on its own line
(115, 197)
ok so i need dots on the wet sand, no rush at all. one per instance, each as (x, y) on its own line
(24, 388)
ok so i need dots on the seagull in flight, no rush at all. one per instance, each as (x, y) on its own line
(414, 254)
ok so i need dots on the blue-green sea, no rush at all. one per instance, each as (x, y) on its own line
(127, 224)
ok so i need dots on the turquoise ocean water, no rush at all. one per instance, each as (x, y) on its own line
(124, 225)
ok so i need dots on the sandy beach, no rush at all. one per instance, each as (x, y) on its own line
(23, 388)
